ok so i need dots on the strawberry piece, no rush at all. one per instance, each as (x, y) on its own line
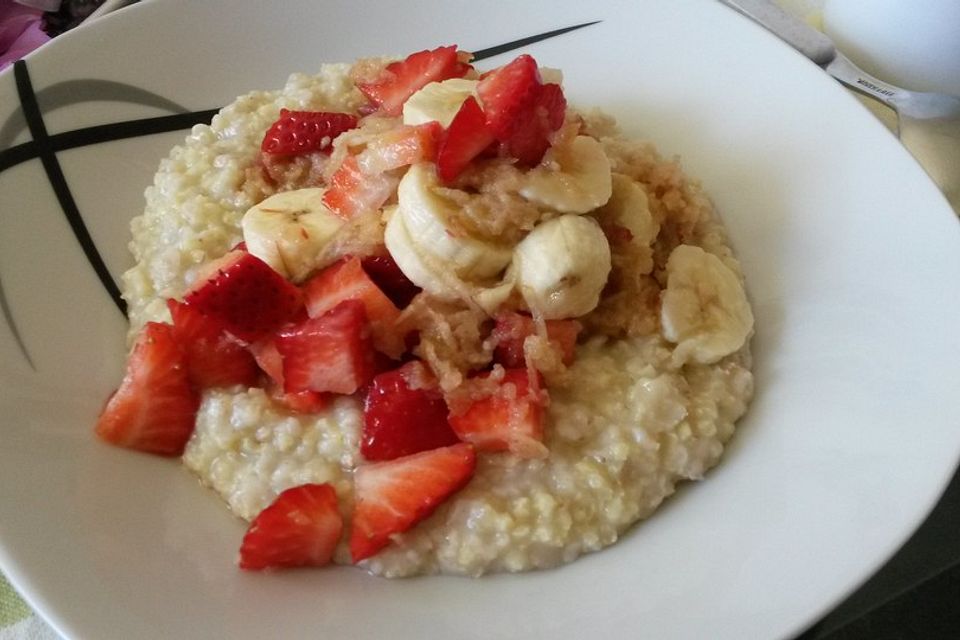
(400, 80)
(214, 358)
(386, 274)
(300, 528)
(465, 139)
(507, 92)
(346, 280)
(352, 192)
(302, 401)
(245, 296)
(400, 147)
(393, 496)
(299, 132)
(512, 329)
(155, 408)
(268, 358)
(331, 353)
(404, 413)
(528, 136)
(509, 420)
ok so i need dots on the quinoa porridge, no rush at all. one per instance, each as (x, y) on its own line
(647, 398)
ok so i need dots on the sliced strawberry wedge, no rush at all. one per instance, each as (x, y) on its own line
(507, 92)
(347, 280)
(404, 413)
(330, 353)
(512, 329)
(298, 132)
(400, 147)
(245, 296)
(214, 359)
(300, 528)
(155, 408)
(386, 274)
(393, 496)
(465, 139)
(352, 192)
(529, 135)
(400, 80)
(509, 420)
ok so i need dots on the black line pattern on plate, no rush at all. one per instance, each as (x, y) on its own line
(45, 146)
(38, 130)
(489, 52)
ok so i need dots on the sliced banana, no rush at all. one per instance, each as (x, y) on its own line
(704, 309)
(562, 266)
(438, 101)
(572, 178)
(428, 218)
(289, 230)
(629, 207)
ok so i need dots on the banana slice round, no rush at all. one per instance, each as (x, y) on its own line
(571, 179)
(704, 309)
(427, 217)
(562, 266)
(629, 207)
(289, 230)
(438, 101)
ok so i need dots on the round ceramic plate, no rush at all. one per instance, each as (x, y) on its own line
(852, 260)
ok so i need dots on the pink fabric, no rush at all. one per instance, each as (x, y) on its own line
(20, 31)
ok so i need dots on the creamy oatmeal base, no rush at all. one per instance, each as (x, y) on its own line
(636, 418)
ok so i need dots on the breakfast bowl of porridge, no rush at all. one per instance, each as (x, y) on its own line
(525, 324)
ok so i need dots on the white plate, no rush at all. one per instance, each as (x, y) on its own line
(852, 259)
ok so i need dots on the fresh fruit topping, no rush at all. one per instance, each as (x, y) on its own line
(244, 295)
(297, 132)
(555, 281)
(399, 80)
(464, 140)
(511, 419)
(529, 134)
(347, 280)
(214, 358)
(507, 92)
(385, 273)
(155, 408)
(332, 352)
(400, 147)
(393, 496)
(438, 101)
(302, 401)
(268, 358)
(289, 231)
(352, 192)
(404, 413)
(300, 528)
(512, 330)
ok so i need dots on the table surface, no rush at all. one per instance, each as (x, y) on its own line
(915, 595)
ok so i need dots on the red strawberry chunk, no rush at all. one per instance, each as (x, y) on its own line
(509, 420)
(507, 92)
(393, 496)
(330, 353)
(302, 401)
(299, 132)
(346, 280)
(352, 192)
(300, 528)
(155, 408)
(245, 296)
(214, 358)
(400, 147)
(528, 136)
(512, 329)
(404, 413)
(386, 274)
(465, 139)
(400, 80)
